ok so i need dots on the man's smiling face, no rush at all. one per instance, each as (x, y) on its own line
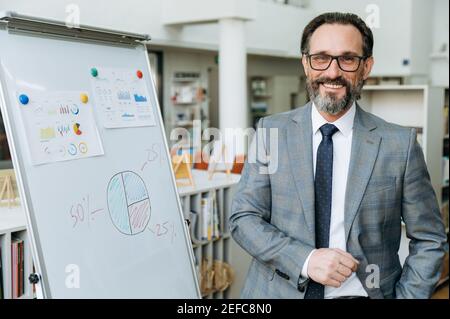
(333, 90)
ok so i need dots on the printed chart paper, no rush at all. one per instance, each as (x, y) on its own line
(122, 98)
(60, 126)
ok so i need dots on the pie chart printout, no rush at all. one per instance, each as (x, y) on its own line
(128, 203)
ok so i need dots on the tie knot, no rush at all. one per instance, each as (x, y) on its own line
(328, 130)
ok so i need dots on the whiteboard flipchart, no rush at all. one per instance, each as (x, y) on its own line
(89, 150)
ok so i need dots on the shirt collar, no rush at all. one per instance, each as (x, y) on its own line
(344, 123)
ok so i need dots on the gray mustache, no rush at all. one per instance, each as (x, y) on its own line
(337, 81)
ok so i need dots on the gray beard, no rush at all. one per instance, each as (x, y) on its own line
(330, 104)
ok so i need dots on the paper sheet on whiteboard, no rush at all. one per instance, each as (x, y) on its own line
(122, 98)
(59, 126)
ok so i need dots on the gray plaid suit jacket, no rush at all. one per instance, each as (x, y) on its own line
(273, 214)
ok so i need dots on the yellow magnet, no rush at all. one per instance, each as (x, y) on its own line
(84, 98)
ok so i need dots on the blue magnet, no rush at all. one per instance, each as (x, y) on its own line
(24, 99)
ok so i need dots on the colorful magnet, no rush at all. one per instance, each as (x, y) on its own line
(84, 98)
(76, 129)
(24, 99)
(94, 72)
(139, 74)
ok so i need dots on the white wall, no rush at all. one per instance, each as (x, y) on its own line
(440, 65)
(272, 66)
(283, 87)
(421, 36)
(440, 24)
(403, 33)
(284, 77)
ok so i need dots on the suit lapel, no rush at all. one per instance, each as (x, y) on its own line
(365, 146)
(299, 142)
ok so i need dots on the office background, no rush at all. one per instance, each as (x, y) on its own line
(256, 45)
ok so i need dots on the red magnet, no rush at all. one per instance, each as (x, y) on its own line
(139, 74)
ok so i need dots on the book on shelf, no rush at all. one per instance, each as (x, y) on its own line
(193, 226)
(205, 224)
(209, 217)
(446, 147)
(21, 269)
(216, 220)
(446, 120)
(17, 268)
(205, 211)
(445, 171)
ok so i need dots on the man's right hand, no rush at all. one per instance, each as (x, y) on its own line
(331, 266)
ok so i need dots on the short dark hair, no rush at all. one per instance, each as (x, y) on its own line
(343, 19)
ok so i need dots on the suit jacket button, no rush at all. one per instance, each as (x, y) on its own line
(282, 274)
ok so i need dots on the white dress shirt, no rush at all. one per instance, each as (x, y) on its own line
(342, 146)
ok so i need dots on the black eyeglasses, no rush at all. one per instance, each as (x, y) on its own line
(347, 63)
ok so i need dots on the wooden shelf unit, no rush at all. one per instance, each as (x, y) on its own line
(219, 248)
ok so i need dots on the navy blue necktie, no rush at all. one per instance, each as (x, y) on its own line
(322, 190)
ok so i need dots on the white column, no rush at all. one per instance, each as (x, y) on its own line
(233, 78)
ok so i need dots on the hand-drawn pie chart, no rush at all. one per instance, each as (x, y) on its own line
(128, 203)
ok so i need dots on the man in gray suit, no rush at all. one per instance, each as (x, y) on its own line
(326, 223)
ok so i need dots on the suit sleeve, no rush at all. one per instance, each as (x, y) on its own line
(424, 227)
(251, 213)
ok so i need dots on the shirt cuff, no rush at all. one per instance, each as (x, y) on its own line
(305, 265)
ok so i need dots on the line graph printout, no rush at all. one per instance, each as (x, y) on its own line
(59, 125)
(122, 97)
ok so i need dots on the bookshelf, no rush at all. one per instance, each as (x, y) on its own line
(13, 224)
(189, 109)
(421, 107)
(189, 100)
(222, 187)
(261, 97)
